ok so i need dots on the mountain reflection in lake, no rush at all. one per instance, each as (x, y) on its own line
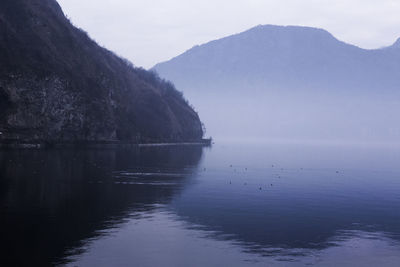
(237, 204)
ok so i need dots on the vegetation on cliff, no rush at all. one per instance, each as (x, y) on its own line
(58, 85)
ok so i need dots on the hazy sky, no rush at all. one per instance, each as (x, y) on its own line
(151, 31)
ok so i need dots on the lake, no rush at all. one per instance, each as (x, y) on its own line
(236, 203)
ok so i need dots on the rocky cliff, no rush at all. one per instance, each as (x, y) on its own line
(57, 85)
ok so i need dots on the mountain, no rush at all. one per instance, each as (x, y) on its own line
(58, 85)
(291, 82)
(282, 57)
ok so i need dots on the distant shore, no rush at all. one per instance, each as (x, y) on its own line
(99, 144)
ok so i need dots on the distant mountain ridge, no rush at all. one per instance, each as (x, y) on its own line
(291, 82)
(396, 45)
(58, 85)
(283, 56)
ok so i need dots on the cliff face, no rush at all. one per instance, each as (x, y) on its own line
(58, 85)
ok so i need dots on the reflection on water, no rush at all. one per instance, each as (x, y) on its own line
(54, 200)
(160, 238)
(237, 204)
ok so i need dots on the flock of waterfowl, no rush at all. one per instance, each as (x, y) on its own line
(260, 187)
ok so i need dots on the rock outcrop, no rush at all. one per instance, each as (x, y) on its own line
(58, 85)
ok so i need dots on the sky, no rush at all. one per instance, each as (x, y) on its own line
(151, 31)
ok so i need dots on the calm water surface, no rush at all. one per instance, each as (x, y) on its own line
(242, 204)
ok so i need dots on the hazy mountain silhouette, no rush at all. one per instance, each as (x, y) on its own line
(58, 85)
(295, 82)
(284, 56)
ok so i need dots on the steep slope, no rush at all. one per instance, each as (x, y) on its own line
(292, 83)
(57, 85)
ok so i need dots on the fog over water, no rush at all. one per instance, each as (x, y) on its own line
(305, 85)
(291, 82)
(300, 116)
(304, 165)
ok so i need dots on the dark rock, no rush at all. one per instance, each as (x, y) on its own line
(57, 85)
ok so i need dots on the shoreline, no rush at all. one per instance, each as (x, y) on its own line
(100, 144)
